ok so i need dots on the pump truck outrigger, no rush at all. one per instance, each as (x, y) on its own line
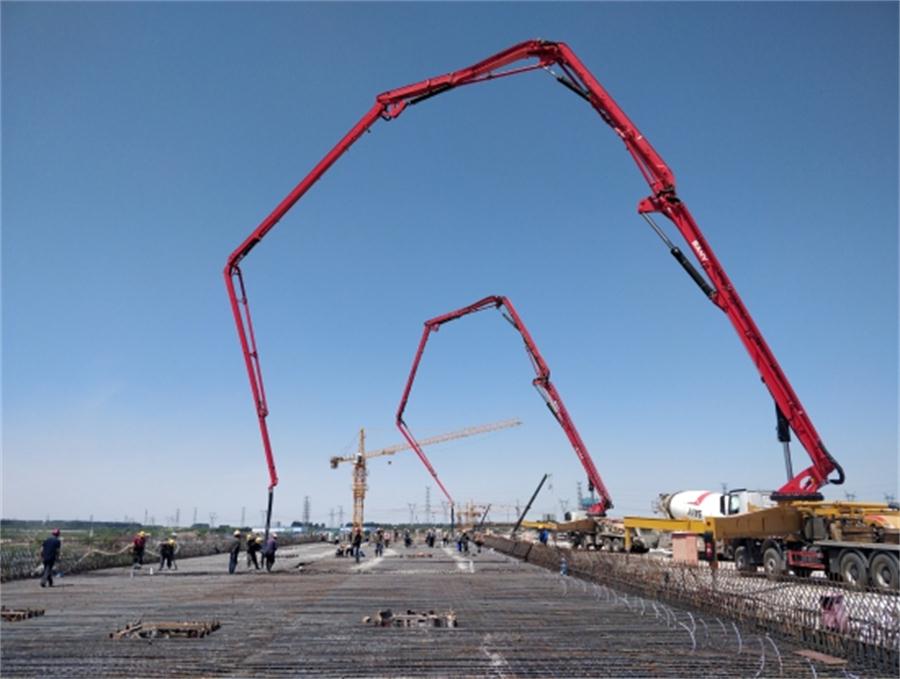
(663, 199)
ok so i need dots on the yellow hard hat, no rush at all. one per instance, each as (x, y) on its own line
(171, 541)
(142, 533)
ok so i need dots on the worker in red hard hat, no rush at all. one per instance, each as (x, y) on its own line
(49, 555)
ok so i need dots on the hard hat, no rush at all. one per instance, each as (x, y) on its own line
(274, 536)
(174, 535)
(171, 541)
(56, 531)
(142, 533)
(237, 532)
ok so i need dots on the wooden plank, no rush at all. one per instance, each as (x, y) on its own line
(821, 657)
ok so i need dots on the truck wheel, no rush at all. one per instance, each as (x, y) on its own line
(773, 564)
(742, 560)
(618, 545)
(606, 544)
(853, 570)
(884, 572)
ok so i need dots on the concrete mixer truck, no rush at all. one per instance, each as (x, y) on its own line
(704, 504)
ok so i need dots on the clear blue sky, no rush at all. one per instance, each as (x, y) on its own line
(143, 141)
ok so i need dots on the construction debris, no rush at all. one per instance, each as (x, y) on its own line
(14, 614)
(165, 630)
(387, 618)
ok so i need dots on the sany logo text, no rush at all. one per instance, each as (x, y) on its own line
(699, 250)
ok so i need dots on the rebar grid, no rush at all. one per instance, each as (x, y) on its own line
(789, 609)
(515, 619)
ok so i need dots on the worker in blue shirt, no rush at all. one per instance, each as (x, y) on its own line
(49, 555)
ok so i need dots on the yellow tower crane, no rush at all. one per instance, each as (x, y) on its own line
(359, 458)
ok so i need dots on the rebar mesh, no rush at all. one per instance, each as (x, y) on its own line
(515, 619)
(867, 630)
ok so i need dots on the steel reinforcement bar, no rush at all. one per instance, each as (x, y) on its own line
(867, 633)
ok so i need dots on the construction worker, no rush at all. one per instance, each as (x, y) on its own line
(49, 555)
(357, 543)
(137, 549)
(167, 553)
(379, 542)
(269, 550)
(233, 550)
(479, 540)
(253, 546)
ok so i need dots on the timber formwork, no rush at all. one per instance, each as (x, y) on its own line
(514, 619)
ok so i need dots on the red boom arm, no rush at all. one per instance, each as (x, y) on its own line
(542, 383)
(663, 199)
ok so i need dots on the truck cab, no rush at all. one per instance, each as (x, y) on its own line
(741, 501)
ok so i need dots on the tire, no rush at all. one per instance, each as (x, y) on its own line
(884, 573)
(773, 563)
(606, 544)
(742, 560)
(854, 570)
(618, 545)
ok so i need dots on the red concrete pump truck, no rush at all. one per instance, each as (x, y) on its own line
(541, 382)
(663, 199)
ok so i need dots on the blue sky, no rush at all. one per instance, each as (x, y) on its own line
(143, 141)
